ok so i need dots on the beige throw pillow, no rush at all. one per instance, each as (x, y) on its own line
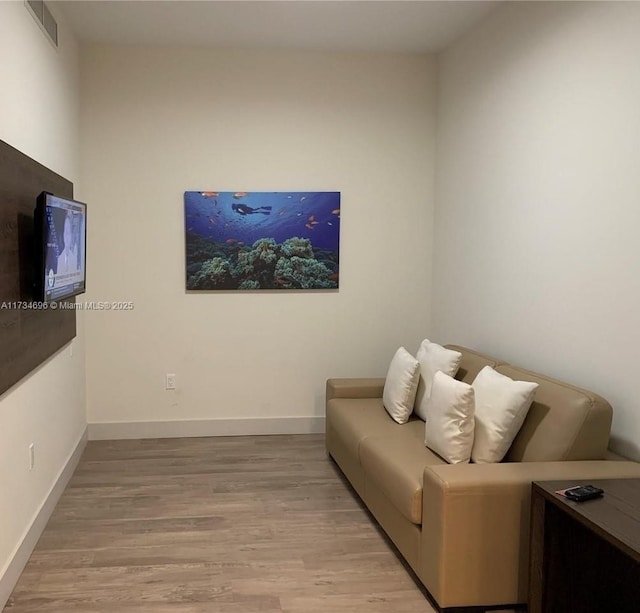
(432, 358)
(400, 386)
(502, 405)
(449, 429)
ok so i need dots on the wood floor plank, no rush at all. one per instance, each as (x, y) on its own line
(218, 525)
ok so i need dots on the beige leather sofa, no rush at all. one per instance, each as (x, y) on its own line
(464, 529)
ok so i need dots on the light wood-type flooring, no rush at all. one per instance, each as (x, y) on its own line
(217, 525)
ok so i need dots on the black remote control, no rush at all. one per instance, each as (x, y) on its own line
(583, 492)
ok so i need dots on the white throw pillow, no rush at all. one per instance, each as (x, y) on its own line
(449, 430)
(501, 407)
(400, 386)
(432, 358)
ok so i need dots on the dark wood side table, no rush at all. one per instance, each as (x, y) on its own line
(585, 556)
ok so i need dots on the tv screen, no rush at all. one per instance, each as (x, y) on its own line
(61, 233)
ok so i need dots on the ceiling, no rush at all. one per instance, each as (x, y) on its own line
(417, 26)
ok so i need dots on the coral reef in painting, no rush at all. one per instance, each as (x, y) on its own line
(242, 241)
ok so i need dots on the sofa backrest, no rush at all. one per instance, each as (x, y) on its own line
(472, 363)
(564, 422)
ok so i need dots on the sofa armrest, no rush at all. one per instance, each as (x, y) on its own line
(475, 525)
(354, 388)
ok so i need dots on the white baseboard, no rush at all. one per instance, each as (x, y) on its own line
(102, 431)
(20, 558)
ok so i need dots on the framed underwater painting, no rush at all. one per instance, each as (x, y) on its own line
(262, 240)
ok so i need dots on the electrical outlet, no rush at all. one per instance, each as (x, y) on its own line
(32, 456)
(170, 381)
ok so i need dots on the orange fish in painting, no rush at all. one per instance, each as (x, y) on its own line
(334, 276)
(230, 241)
(312, 218)
(239, 195)
(335, 212)
(308, 225)
(209, 194)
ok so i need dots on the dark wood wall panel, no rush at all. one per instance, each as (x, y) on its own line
(27, 336)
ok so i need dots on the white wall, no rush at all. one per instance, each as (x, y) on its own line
(538, 188)
(158, 121)
(46, 408)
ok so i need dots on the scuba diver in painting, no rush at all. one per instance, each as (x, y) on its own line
(243, 209)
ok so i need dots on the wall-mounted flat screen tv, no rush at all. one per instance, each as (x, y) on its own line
(61, 241)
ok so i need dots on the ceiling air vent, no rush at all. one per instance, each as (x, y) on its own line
(45, 19)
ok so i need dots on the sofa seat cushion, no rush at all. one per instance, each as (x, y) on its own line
(354, 419)
(395, 462)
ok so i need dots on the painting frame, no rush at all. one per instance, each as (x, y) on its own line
(262, 240)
